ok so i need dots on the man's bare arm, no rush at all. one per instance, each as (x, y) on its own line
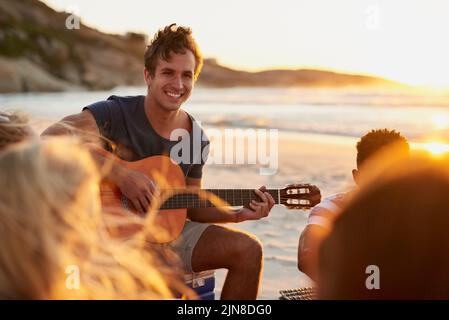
(308, 248)
(137, 187)
(134, 185)
(82, 124)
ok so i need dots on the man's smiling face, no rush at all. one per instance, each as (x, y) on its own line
(172, 82)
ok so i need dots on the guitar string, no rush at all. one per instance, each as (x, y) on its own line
(183, 199)
(187, 200)
(248, 196)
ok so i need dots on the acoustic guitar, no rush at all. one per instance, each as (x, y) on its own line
(172, 212)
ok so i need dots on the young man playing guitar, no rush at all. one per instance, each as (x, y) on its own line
(140, 127)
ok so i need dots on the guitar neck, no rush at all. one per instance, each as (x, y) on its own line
(233, 197)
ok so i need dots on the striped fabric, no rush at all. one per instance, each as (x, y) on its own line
(324, 213)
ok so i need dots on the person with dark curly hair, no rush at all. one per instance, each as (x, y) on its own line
(321, 217)
(390, 240)
(142, 126)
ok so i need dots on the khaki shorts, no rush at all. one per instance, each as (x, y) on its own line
(187, 240)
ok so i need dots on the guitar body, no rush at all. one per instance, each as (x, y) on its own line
(166, 175)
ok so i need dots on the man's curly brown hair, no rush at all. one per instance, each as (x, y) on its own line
(170, 39)
(375, 140)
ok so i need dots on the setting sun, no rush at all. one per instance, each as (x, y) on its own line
(436, 148)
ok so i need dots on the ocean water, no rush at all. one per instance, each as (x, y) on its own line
(329, 112)
(317, 129)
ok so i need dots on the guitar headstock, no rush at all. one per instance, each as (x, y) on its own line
(300, 196)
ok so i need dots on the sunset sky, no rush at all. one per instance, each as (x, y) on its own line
(403, 40)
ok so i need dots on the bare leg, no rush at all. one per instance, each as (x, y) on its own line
(237, 251)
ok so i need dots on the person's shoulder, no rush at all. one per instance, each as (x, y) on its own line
(193, 120)
(131, 105)
(196, 127)
(126, 100)
(324, 212)
(332, 197)
(111, 102)
(338, 199)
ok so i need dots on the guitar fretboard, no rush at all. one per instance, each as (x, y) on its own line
(233, 197)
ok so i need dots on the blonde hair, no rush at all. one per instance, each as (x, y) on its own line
(51, 227)
(13, 128)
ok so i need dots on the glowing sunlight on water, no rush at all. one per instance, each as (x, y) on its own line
(435, 147)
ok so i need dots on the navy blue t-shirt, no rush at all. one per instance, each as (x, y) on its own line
(123, 121)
